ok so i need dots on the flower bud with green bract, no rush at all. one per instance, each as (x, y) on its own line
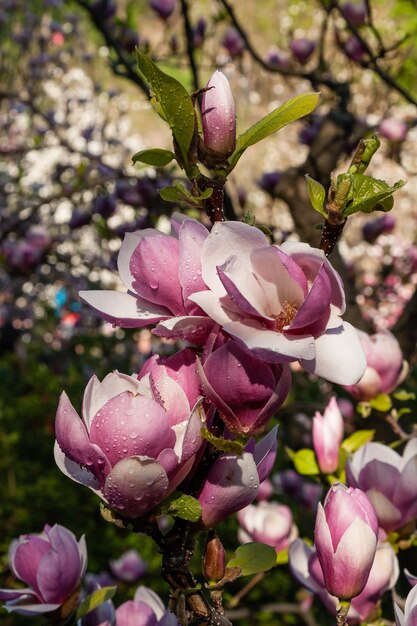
(218, 115)
(52, 565)
(345, 536)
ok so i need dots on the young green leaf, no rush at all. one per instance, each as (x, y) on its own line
(290, 111)
(369, 194)
(357, 440)
(225, 445)
(381, 403)
(94, 600)
(304, 461)
(317, 195)
(179, 193)
(183, 506)
(404, 395)
(253, 558)
(155, 156)
(174, 101)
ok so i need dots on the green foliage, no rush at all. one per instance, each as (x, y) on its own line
(253, 558)
(183, 506)
(94, 600)
(304, 461)
(317, 195)
(357, 439)
(179, 193)
(381, 403)
(155, 156)
(294, 109)
(173, 103)
(225, 445)
(369, 194)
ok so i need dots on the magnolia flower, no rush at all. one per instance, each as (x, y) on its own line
(267, 522)
(393, 129)
(146, 609)
(302, 49)
(409, 617)
(233, 481)
(327, 436)
(385, 368)
(164, 8)
(345, 537)
(160, 272)
(129, 566)
(388, 479)
(52, 565)
(245, 389)
(218, 115)
(233, 42)
(137, 438)
(281, 303)
(306, 568)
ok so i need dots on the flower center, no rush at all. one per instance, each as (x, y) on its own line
(288, 312)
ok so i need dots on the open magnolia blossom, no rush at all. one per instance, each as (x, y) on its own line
(389, 481)
(267, 522)
(52, 565)
(137, 439)
(306, 568)
(282, 303)
(409, 617)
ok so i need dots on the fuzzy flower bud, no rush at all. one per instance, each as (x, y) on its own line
(218, 113)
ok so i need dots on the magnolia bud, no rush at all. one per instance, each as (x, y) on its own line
(302, 49)
(214, 558)
(218, 114)
(354, 13)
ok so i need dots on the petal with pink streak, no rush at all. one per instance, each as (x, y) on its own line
(388, 515)
(192, 236)
(8, 595)
(214, 308)
(193, 329)
(265, 453)
(244, 290)
(155, 265)
(72, 438)
(135, 614)
(329, 365)
(225, 240)
(182, 367)
(30, 609)
(189, 442)
(149, 597)
(129, 245)
(75, 471)
(276, 282)
(170, 396)
(272, 346)
(406, 490)
(299, 554)
(26, 559)
(231, 484)
(316, 304)
(381, 476)
(135, 486)
(123, 309)
(278, 397)
(293, 269)
(98, 393)
(310, 260)
(130, 425)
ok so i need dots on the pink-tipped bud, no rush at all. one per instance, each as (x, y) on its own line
(218, 113)
(345, 536)
(214, 564)
(327, 437)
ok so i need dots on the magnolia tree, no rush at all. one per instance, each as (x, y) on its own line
(182, 445)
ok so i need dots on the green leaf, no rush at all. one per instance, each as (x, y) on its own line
(357, 440)
(225, 445)
(364, 409)
(381, 403)
(174, 102)
(290, 111)
(179, 193)
(94, 600)
(317, 195)
(282, 557)
(304, 461)
(402, 395)
(183, 506)
(156, 156)
(253, 558)
(369, 194)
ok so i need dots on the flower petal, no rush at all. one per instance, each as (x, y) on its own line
(190, 328)
(129, 245)
(192, 236)
(123, 309)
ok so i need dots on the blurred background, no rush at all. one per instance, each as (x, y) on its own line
(73, 111)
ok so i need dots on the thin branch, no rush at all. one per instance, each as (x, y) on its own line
(190, 43)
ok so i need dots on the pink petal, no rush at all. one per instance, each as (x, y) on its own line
(75, 471)
(155, 265)
(123, 309)
(170, 395)
(192, 329)
(192, 236)
(129, 245)
(59, 571)
(316, 304)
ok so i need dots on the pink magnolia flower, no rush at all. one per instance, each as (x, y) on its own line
(327, 436)
(146, 609)
(302, 49)
(345, 537)
(306, 568)
(281, 303)
(233, 481)
(233, 42)
(267, 522)
(393, 129)
(52, 564)
(137, 438)
(160, 272)
(129, 566)
(388, 479)
(409, 617)
(246, 390)
(218, 115)
(385, 368)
